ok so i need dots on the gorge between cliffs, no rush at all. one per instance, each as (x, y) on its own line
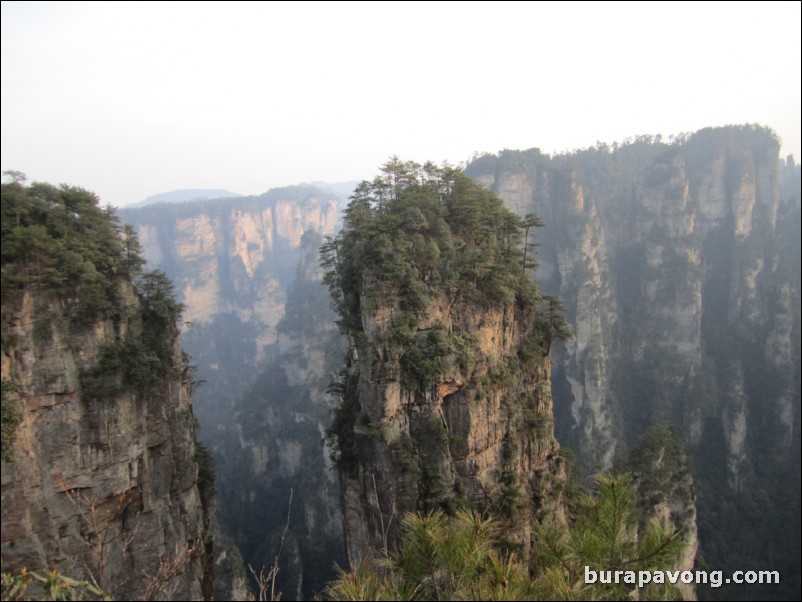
(483, 338)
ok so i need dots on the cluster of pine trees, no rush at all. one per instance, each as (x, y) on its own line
(461, 558)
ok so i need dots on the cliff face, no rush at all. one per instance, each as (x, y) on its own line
(483, 435)
(279, 468)
(675, 263)
(104, 489)
(446, 397)
(632, 244)
(231, 261)
(264, 342)
(233, 255)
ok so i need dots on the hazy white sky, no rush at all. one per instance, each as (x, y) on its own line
(132, 99)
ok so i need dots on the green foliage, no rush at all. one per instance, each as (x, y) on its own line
(345, 452)
(663, 469)
(142, 359)
(463, 345)
(461, 558)
(416, 232)
(423, 359)
(104, 380)
(573, 484)
(52, 586)
(206, 473)
(157, 293)
(440, 559)
(605, 536)
(58, 238)
(10, 419)
(308, 306)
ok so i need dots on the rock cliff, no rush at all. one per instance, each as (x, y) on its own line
(233, 255)
(231, 261)
(279, 475)
(482, 435)
(264, 341)
(446, 397)
(677, 262)
(100, 476)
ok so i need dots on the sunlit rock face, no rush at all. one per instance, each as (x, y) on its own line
(234, 256)
(475, 438)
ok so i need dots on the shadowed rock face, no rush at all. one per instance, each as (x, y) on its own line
(265, 343)
(679, 265)
(104, 489)
(629, 245)
(278, 462)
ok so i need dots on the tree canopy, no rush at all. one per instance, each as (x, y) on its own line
(58, 242)
(418, 231)
(58, 238)
(422, 234)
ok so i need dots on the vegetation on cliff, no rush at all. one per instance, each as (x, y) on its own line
(52, 586)
(10, 419)
(462, 558)
(60, 243)
(678, 260)
(108, 483)
(417, 234)
(445, 398)
(58, 238)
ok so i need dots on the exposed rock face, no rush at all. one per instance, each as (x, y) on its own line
(679, 267)
(231, 261)
(280, 464)
(626, 250)
(445, 398)
(263, 407)
(478, 437)
(102, 489)
(231, 255)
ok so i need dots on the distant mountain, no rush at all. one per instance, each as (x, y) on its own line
(260, 331)
(344, 190)
(341, 189)
(184, 195)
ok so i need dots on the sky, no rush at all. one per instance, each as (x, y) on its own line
(130, 99)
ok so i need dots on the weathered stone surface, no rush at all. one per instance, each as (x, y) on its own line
(101, 489)
(629, 246)
(491, 447)
(225, 256)
(678, 264)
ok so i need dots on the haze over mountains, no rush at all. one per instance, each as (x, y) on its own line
(678, 265)
(184, 195)
(435, 377)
